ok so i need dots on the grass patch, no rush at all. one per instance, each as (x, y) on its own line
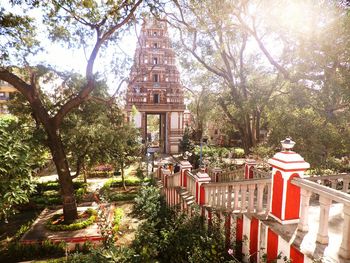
(86, 218)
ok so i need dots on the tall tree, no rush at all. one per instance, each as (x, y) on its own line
(212, 33)
(80, 23)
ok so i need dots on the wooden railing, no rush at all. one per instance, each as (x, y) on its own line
(240, 196)
(326, 196)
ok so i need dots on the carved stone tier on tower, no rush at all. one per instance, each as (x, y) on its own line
(154, 85)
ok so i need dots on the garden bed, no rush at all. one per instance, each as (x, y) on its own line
(85, 219)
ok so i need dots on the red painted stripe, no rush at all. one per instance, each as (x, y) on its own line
(251, 173)
(288, 152)
(202, 195)
(287, 161)
(239, 230)
(292, 199)
(228, 230)
(296, 256)
(289, 170)
(272, 246)
(277, 193)
(253, 244)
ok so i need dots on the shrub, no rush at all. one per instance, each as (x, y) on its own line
(115, 197)
(22, 230)
(169, 236)
(112, 254)
(148, 202)
(238, 153)
(139, 173)
(78, 224)
(263, 151)
(19, 252)
(118, 215)
(47, 193)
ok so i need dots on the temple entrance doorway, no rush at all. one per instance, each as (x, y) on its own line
(155, 132)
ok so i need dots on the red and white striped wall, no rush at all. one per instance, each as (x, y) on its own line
(261, 240)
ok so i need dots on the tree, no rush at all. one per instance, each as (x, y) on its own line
(317, 97)
(260, 50)
(15, 166)
(75, 22)
(122, 142)
(202, 101)
(213, 33)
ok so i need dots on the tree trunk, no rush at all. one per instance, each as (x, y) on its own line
(84, 174)
(123, 180)
(257, 126)
(246, 136)
(70, 211)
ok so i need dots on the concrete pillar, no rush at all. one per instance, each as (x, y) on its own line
(304, 210)
(345, 244)
(285, 201)
(260, 189)
(216, 174)
(201, 178)
(322, 235)
(184, 166)
(248, 168)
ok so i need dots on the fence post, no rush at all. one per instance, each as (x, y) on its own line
(345, 244)
(184, 166)
(216, 174)
(201, 178)
(285, 201)
(248, 168)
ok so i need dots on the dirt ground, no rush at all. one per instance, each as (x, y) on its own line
(128, 225)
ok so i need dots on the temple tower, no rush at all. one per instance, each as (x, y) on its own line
(154, 89)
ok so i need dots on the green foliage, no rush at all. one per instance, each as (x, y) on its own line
(103, 255)
(322, 140)
(22, 230)
(263, 151)
(118, 215)
(78, 224)
(238, 152)
(108, 192)
(186, 143)
(214, 155)
(130, 181)
(139, 172)
(114, 197)
(23, 252)
(148, 202)
(48, 193)
(167, 236)
(15, 174)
